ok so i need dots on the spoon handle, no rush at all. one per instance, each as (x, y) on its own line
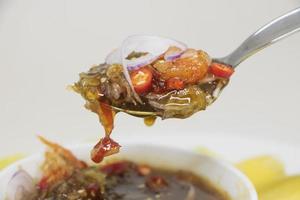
(277, 29)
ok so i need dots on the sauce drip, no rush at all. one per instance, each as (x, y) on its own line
(149, 121)
(106, 146)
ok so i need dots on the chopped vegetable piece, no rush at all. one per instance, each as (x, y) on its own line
(156, 183)
(143, 170)
(221, 70)
(175, 84)
(173, 53)
(117, 168)
(141, 79)
(60, 162)
(189, 69)
(135, 55)
(105, 147)
(42, 185)
(21, 186)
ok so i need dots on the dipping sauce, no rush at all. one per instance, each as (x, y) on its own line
(124, 180)
(65, 177)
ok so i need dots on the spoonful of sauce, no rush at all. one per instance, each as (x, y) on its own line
(152, 76)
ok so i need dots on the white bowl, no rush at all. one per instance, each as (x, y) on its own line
(219, 173)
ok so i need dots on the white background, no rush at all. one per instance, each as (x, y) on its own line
(45, 44)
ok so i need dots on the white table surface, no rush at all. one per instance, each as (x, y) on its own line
(45, 44)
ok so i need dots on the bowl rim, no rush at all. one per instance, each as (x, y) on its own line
(225, 164)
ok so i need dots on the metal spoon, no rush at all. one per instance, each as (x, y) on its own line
(272, 32)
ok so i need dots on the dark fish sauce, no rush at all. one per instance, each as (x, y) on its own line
(124, 180)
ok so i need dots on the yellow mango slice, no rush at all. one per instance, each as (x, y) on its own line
(4, 162)
(286, 189)
(262, 171)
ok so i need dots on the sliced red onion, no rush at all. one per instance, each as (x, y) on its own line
(21, 186)
(218, 90)
(140, 62)
(189, 53)
(173, 57)
(154, 46)
(173, 53)
(115, 57)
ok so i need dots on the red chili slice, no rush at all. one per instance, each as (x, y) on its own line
(221, 70)
(105, 147)
(143, 170)
(156, 183)
(117, 168)
(141, 79)
(43, 184)
(175, 84)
